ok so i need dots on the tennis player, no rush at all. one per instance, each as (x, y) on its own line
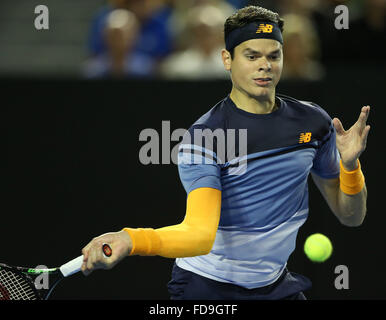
(240, 229)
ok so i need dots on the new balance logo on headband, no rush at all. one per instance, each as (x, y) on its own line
(264, 28)
(261, 29)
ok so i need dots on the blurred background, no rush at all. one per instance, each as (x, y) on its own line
(75, 97)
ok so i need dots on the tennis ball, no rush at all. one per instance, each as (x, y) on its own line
(318, 247)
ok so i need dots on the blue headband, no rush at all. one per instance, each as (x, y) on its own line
(255, 30)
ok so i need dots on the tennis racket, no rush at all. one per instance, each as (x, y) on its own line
(18, 283)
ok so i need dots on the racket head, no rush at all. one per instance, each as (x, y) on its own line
(19, 283)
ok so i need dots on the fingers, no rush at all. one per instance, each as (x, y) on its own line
(360, 125)
(93, 257)
(338, 126)
(365, 111)
(365, 135)
(86, 255)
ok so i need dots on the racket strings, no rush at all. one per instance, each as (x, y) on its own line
(14, 287)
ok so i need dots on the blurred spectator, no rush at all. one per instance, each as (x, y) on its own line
(299, 7)
(301, 49)
(155, 37)
(321, 14)
(150, 43)
(120, 60)
(202, 59)
(180, 18)
(238, 3)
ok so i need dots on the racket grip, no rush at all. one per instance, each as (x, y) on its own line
(72, 266)
(75, 265)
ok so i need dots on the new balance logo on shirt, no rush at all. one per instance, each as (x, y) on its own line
(305, 137)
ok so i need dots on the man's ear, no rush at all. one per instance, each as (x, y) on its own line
(226, 59)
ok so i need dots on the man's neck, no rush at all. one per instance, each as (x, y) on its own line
(252, 104)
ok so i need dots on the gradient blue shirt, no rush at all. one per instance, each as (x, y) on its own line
(264, 187)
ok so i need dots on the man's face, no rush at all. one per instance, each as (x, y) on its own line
(256, 67)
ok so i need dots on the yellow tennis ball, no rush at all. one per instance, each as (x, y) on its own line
(318, 247)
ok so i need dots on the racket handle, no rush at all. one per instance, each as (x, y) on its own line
(75, 265)
(72, 266)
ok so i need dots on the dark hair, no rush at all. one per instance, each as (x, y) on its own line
(250, 14)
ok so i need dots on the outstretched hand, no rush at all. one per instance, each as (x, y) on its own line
(352, 143)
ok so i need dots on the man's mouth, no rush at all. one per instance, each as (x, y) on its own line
(263, 81)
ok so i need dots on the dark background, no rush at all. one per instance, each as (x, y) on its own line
(70, 171)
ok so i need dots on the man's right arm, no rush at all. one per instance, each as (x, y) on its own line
(194, 236)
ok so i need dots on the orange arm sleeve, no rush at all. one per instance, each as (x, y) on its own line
(194, 236)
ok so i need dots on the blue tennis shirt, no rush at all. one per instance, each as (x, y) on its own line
(263, 178)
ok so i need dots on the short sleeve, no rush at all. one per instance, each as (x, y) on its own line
(197, 164)
(326, 161)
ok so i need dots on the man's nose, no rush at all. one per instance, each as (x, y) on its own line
(264, 64)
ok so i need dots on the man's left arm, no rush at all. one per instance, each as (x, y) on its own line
(347, 195)
(349, 209)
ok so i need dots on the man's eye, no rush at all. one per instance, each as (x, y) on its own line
(251, 57)
(275, 57)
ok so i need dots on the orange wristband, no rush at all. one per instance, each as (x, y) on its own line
(351, 182)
